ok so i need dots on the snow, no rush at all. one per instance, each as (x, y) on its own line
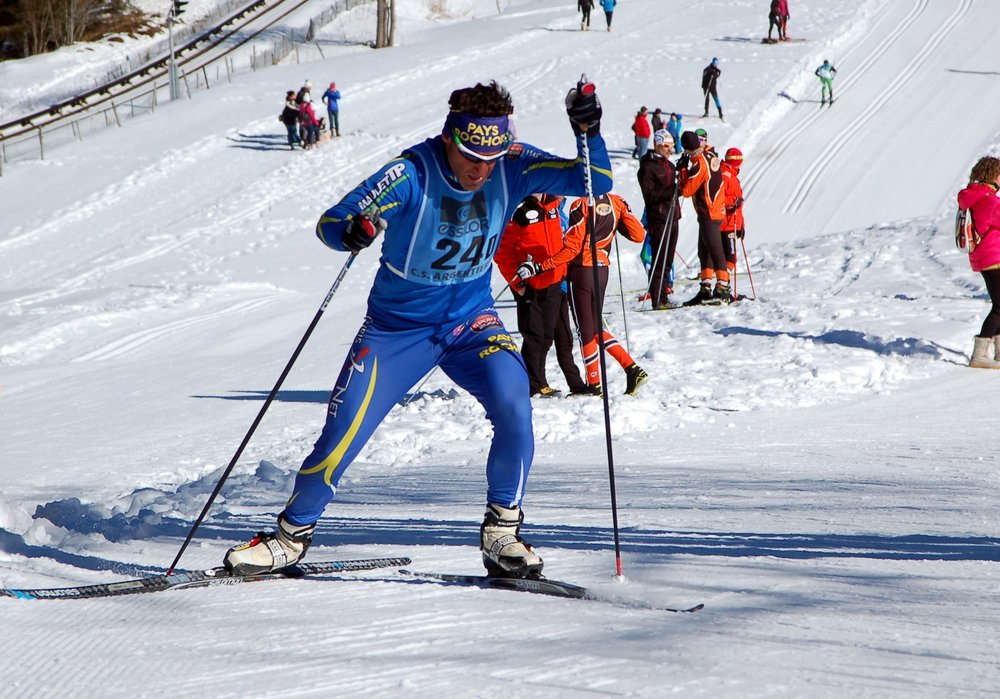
(817, 466)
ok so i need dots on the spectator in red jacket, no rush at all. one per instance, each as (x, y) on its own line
(611, 215)
(733, 226)
(535, 233)
(309, 122)
(640, 127)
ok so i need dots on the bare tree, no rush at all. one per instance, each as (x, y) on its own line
(49, 24)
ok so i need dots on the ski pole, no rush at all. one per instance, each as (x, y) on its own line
(260, 415)
(621, 293)
(664, 245)
(746, 261)
(588, 88)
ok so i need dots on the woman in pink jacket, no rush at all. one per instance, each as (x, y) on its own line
(980, 197)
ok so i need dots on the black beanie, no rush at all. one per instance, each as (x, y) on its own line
(689, 140)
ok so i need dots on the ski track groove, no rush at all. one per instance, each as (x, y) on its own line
(133, 342)
(822, 162)
(790, 135)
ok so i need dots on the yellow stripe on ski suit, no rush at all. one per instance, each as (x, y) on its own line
(566, 165)
(330, 463)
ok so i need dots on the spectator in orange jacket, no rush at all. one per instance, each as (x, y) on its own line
(611, 215)
(534, 234)
(698, 171)
(733, 226)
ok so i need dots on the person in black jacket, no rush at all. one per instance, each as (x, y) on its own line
(658, 183)
(290, 118)
(709, 83)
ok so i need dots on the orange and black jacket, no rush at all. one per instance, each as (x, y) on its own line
(613, 215)
(733, 193)
(701, 180)
(535, 229)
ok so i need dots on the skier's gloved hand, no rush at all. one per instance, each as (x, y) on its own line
(683, 162)
(363, 230)
(741, 233)
(527, 269)
(738, 204)
(583, 107)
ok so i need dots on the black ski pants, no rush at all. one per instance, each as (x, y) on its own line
(537, 314)
(991, 326)
(711, 254)
(565, 340)
(663, 248)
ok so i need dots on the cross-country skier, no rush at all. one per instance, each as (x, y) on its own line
(709, 85)
(980, 197)
(825, 73)
(443, 205)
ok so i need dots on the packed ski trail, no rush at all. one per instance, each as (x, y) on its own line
(813, 466)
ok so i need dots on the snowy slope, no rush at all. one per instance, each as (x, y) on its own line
(811, 465)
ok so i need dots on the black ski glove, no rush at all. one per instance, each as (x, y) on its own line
(583, 107)
(363, 230)
(683, 162)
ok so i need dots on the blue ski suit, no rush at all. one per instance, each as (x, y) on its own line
(431, 305)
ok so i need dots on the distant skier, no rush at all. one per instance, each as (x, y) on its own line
(778, 17)
(825, 73)
(585, 6)
(709, 83)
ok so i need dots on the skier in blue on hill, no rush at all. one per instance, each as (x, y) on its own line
(443, 205)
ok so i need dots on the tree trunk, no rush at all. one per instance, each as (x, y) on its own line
(384, 31)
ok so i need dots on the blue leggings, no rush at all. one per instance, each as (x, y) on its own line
(382, 365)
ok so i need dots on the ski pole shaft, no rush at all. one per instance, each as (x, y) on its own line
(263, 409)
(598, 301)
(621, 294)
(746, 261)
(663, 247)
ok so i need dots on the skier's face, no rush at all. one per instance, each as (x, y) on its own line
(471, 172)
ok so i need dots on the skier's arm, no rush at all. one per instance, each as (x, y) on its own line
(377, 198)
(628, 225)
(576, 233)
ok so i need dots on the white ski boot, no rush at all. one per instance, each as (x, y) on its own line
(269, 552)
(505, 554)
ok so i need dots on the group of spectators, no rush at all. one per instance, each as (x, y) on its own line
(299, 115)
